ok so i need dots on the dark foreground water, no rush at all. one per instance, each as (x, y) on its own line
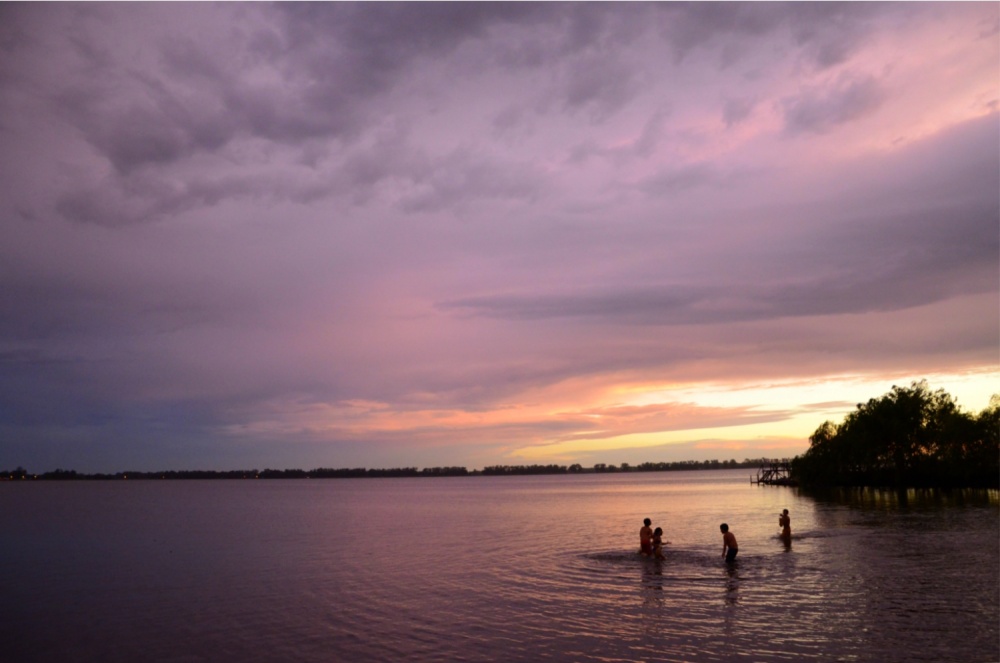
(492, 569)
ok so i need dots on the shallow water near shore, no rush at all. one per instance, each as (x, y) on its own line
(494, 569)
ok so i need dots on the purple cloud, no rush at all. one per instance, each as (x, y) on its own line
(435, 234)
(819, 111)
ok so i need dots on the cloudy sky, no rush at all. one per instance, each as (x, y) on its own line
(382, 235)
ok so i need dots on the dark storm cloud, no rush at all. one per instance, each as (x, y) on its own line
(828, 31)
(900, 287)
(78, 394)
(831, 31)
(600, 86)
(819, 111)
(301, 73)
(865, 256)
(643, 146)
(464, 176)
(682, 178)
(154, 128)
(302, 232)
(909, 261)
(688, 26)
(383, 38)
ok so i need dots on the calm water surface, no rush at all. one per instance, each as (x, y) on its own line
(493, 569)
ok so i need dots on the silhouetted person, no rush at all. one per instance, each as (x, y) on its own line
(729, 546)
(658, 543)
(646, 538)
(786, 526)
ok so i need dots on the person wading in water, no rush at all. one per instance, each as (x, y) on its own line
(646, 538)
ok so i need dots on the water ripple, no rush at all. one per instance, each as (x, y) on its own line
(530, 569)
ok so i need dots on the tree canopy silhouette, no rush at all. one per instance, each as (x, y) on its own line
(911, 437)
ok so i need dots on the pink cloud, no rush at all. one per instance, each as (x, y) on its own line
(351, 233)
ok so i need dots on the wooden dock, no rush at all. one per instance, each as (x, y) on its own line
(774, 473)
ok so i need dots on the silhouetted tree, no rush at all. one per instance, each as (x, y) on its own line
(908, 437)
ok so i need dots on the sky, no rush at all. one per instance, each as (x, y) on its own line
(248, 235)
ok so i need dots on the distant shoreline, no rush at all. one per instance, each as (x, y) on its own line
(21, 474)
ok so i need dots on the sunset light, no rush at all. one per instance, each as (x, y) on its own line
(339, 235)
(500, 331)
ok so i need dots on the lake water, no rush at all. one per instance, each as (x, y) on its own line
(540, 568)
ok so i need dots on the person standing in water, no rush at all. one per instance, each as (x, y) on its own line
(646, 538)
(658, 543)
(785, 522)
(729, 546)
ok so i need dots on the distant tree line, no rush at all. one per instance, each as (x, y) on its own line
(361, 472)
(624, 467)
(319, 473)
(493, 470)
(910, 437)
(731, 464)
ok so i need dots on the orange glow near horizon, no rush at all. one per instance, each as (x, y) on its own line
(750, 420)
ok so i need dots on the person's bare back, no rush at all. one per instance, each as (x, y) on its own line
(646, 538)
(729, 546)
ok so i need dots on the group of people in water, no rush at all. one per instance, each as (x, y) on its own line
(651, 540)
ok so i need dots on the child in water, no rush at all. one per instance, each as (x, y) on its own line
(658, 543)
(729, 547)
(785, 522)
(646, 538)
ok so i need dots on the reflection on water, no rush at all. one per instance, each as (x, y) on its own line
(919, 498)
(733, 583)
(495, 568)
